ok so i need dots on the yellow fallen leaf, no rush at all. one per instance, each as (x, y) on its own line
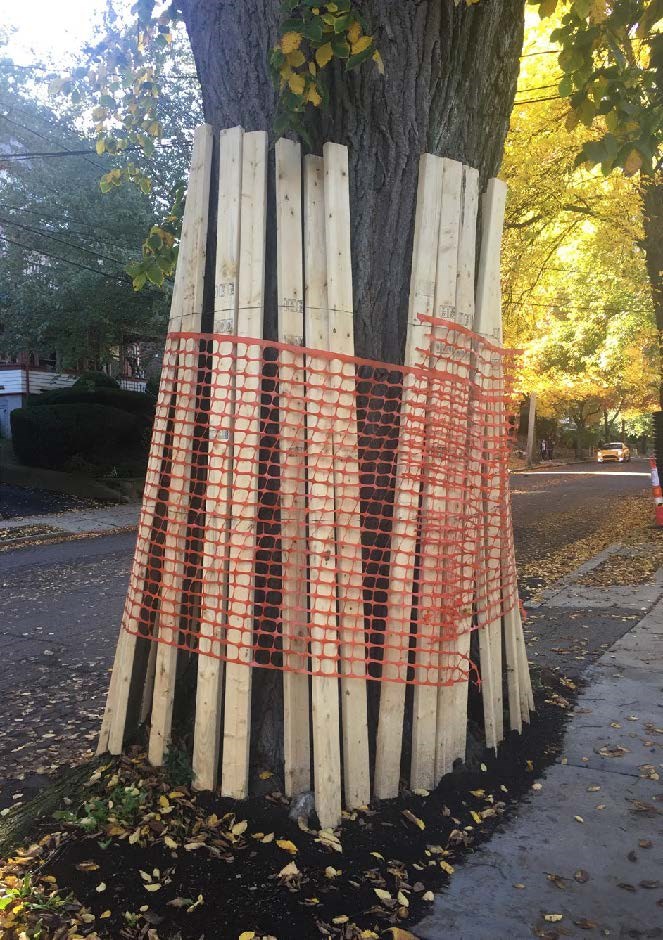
(171, 843)
(163, 802)
(579, 819)
(382, 894)
(553, 918)
(100, 887)
(377, 855)
(290, 871)
(105, 915)
(87, 866)
(402, 899)
(428, 896)
(445, 866)
(265, 774)
(247, 935)
(144, 875)
(287, 846)
(331, 872)
(239, 828)
(268, 838)
(153, 887)
(478, 793)
(341, 919)
(175, 795)
(414, 819)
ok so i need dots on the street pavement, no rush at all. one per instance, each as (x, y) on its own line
(584, 853)
(61, 603)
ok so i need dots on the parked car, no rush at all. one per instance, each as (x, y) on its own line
(615, 451)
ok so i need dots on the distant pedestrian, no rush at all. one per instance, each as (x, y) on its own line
(544, 448)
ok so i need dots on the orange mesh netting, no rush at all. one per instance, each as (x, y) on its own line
(326, 514)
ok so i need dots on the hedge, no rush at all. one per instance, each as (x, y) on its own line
(81, 436)
(134, 402)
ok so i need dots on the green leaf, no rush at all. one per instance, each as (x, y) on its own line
(341, 23)
(312, 30)
(360, 57)
(341, 47)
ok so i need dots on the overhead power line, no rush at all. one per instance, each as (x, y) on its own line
(45, 234)
(74, 264)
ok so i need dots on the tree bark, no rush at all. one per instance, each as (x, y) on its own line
(652, 197)
(449, 84)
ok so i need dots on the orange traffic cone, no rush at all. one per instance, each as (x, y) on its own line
(657, 492)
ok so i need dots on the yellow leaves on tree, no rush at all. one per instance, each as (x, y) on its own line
(290, 42)
(324, 54)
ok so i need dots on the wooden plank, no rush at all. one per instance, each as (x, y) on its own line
(112, 729)
(452, 699)
(194, 236)
(439, 267)
(406, 497)
(322, 520)
(488, 323)
(244, 495)
(214, 598)
(354, 721)
(292, 461)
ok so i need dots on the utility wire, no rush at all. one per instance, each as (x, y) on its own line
(48, 139)
(45, 234)
(74, 264)
(73, 224)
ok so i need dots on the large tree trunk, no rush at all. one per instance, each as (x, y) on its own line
(449, 83)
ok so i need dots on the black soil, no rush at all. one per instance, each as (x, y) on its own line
(416, 839)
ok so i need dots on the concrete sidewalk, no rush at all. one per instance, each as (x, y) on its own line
(584, 856)
(79, 521)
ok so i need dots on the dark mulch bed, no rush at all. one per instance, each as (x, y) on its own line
(234, 867)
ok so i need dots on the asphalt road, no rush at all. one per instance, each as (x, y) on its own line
(60, 607)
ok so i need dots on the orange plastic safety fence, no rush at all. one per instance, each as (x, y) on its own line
(327, 514)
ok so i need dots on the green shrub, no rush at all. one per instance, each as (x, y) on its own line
(133, 402)
(93, 380)
(80, 434)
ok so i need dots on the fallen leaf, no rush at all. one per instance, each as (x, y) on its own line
(100, 887)
(581, 876)
(428, 896)
(553, 918)
(290, 871)
(645, 843)
(153, 887)
(265, 774)
(287, 846)
(579, 819)
(268, 838)
(247, 935)
(445, 866)
(382, 894)
(341, 919)
(239, 828)
(626, 887)
(414, 819)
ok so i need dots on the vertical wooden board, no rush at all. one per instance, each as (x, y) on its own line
(321, 506)
(214, 598)
(488, 324)
(452, 699)
(441, 269)
(292, 463)
(349, 562)
(244, 494)
(112, 729)
(194, 237)
(406, 498)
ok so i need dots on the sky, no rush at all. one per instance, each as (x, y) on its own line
(49, 31)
